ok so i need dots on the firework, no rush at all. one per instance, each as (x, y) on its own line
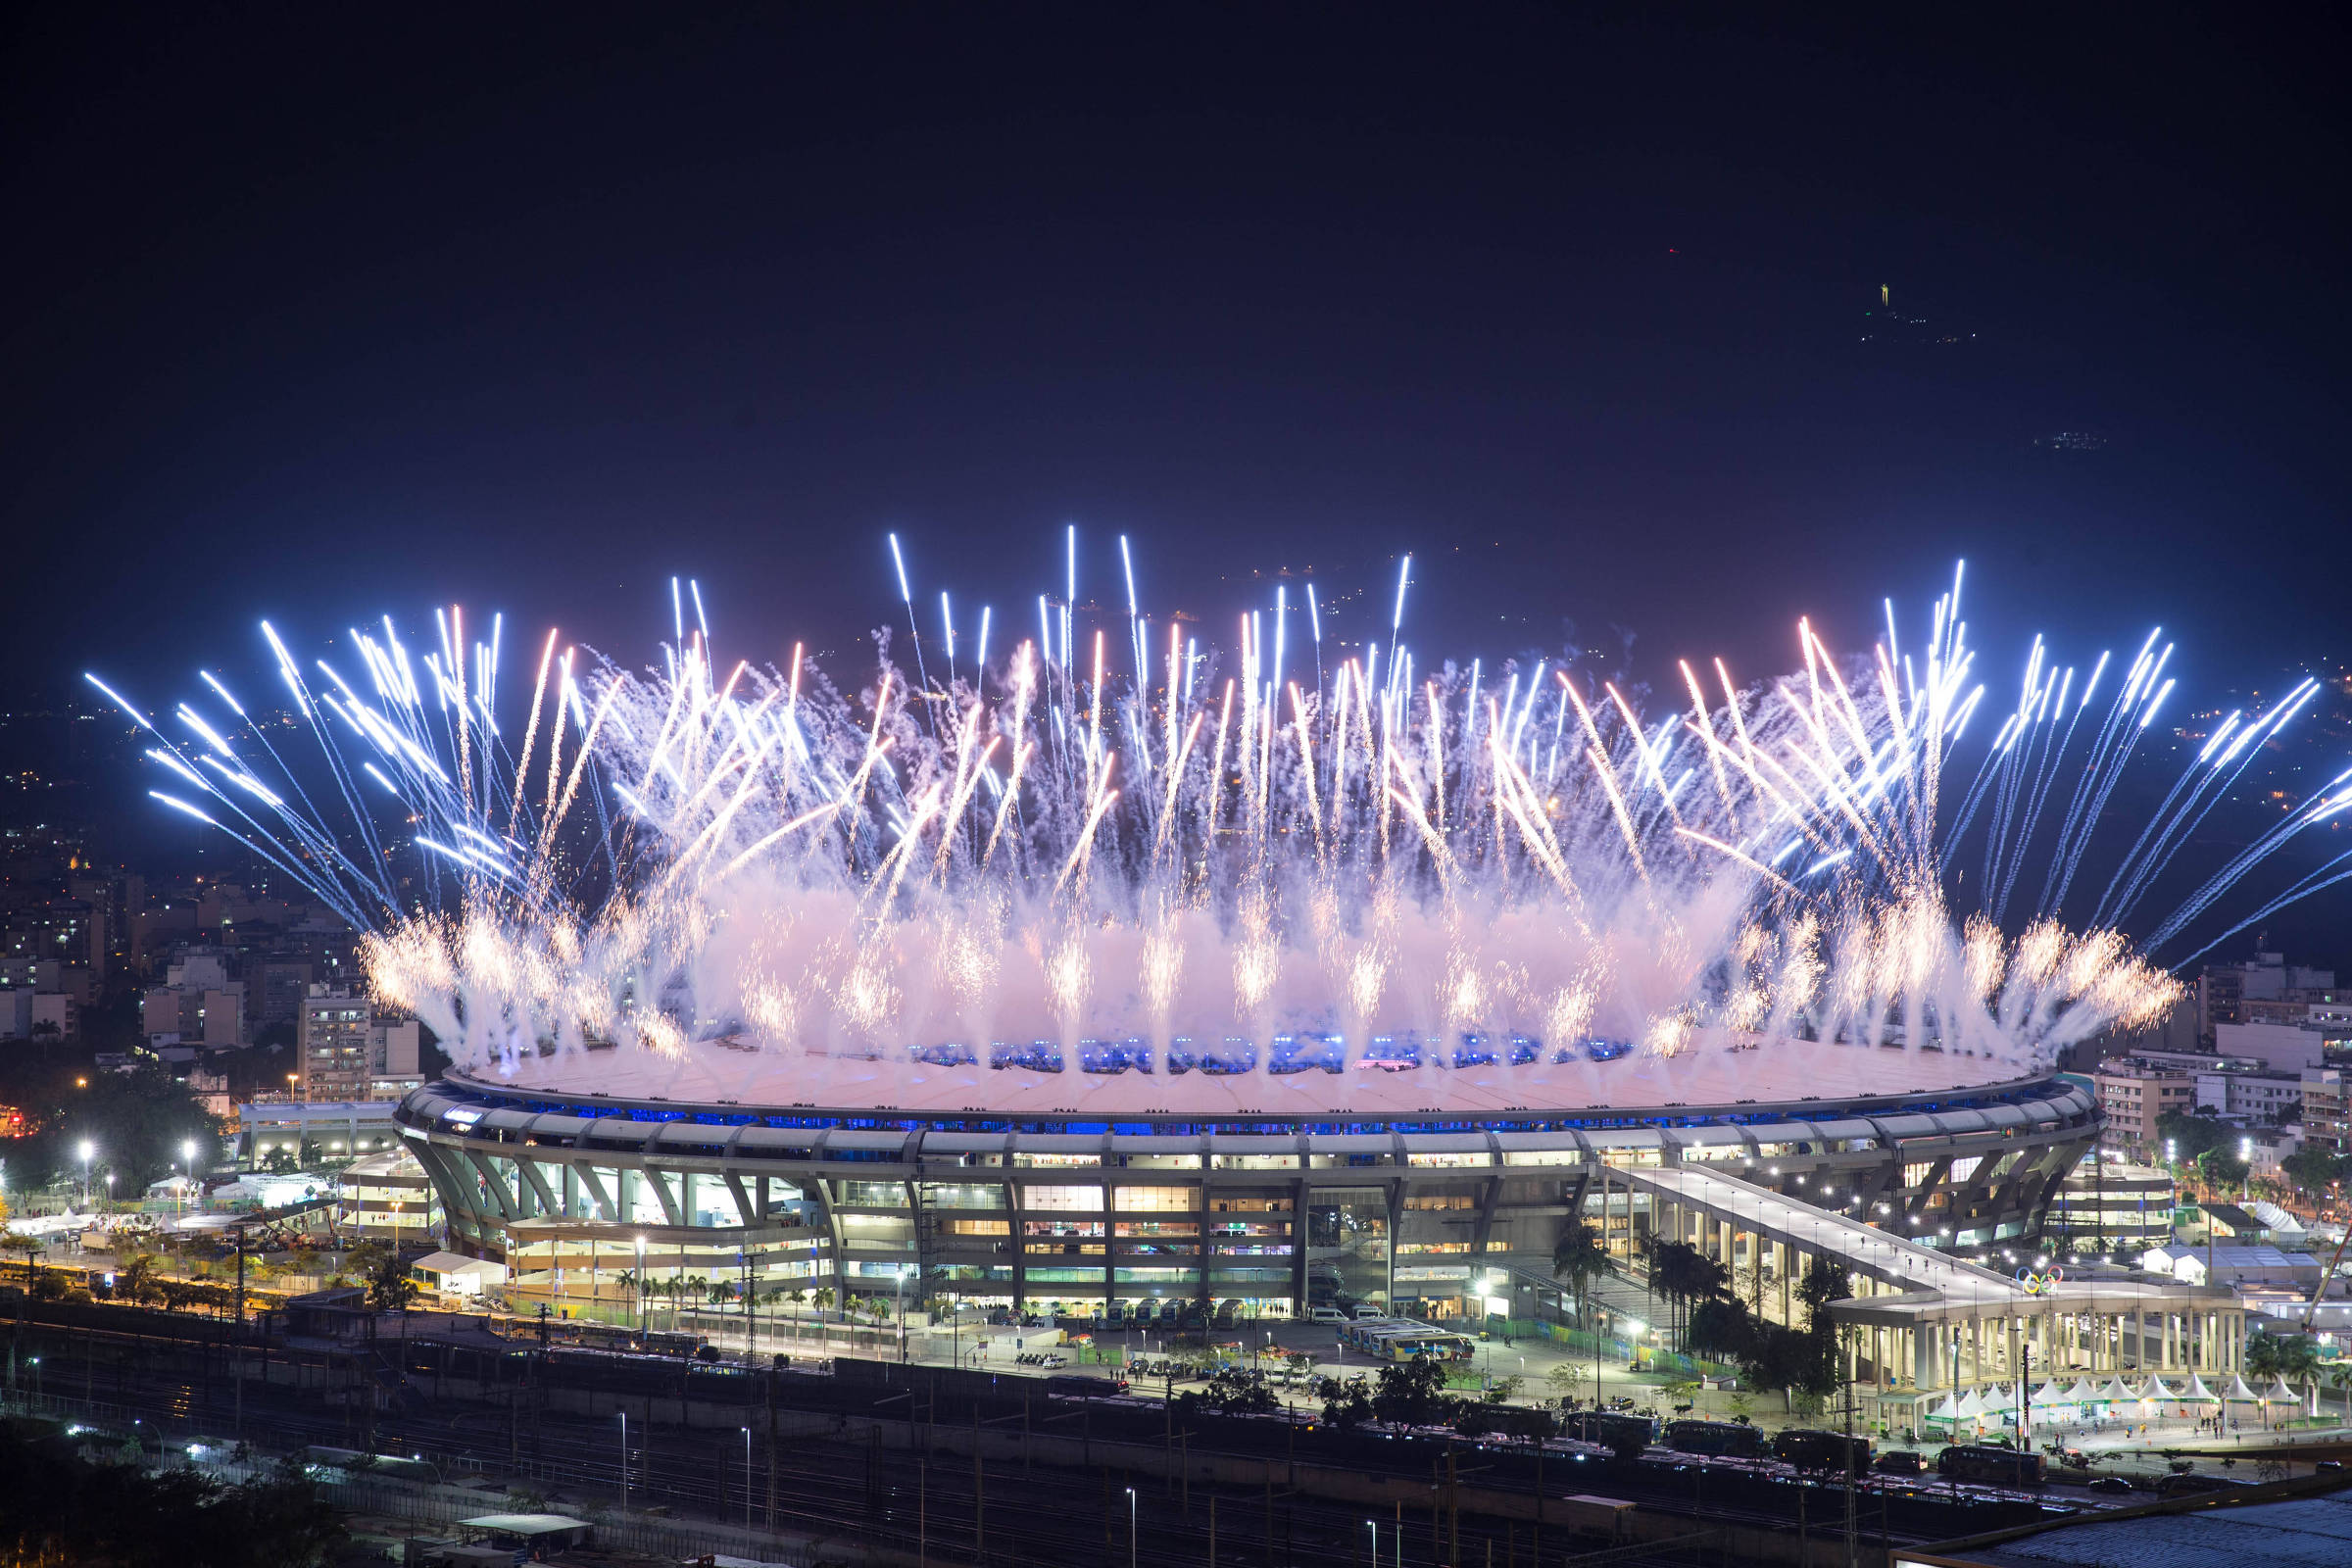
(1087, 861)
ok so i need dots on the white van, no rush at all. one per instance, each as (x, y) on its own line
(1326, 1314)
(1365, 1312)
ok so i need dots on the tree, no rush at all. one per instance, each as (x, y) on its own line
(58, 1507)
(2220, 1168)
(2314, 1169)
(139, 1280)
(383, 1276)
(1683, 1274)
(1346, 1406)
(1579, 1258)
(1720, 1327)
(2192, 1135)
(1823, 1283)
(2339, 1377)
(135, 1121)
(32, 1247)
(1411, 1392)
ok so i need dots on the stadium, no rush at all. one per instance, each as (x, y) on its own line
(1245, 1195)
(1134, 971)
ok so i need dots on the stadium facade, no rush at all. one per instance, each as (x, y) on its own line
(1265, 1212)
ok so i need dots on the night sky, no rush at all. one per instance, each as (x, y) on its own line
(317, 316)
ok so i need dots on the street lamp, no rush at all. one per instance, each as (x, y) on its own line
(1130, 1527)
(747, 1478)
(624, 1461)
(86, 1151)
(1373, 1525)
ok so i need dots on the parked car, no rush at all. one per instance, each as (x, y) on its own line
(1900, 1462)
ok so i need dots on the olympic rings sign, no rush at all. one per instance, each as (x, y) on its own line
(2039, 1283)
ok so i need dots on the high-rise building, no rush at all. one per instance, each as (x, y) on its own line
(2327, 1119)
(2135, 1096)
(332, 1046)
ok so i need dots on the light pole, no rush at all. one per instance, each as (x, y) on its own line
(1373, 1525)
(747, 1478)
(1130, 1527)
(86, 1151)
(2245, 1158)
(624, 1461)
(641, 1287)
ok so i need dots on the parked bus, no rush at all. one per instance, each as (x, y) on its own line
(1413, 1344)
(1994, 1466)
(1360, 1334)
(1727, 1438)
(1823, 1451)
(1627, 1434)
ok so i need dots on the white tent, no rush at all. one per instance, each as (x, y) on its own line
(2198, 1392)
(2083, 1392)
(1947, 1410)
(2238, 1394)
(2052, 1393)
(1999, 1398)
(1971, 1406)
(2161, 1392)
(2117, 1391)
(2280, 1393)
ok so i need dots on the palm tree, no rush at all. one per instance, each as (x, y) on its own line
(2301, 1366)
(1579, 1258)
(1683, 1274)
(2339, 1377)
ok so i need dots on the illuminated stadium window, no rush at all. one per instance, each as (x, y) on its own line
(1254, 1161)
(977, 1227)
(1962, 1169)
(1162, 1161)
(942, 1195)
(1063, 1227)
(878, 1195)
(1057, 1159)
(1079, 1198)
(1442, 1200)
(1154, 1199)
(1544, 1156)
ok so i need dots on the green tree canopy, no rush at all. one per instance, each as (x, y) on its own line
(134, 1122)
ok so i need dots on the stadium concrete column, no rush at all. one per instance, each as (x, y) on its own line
(1396, 1197)
(1299, 1241)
